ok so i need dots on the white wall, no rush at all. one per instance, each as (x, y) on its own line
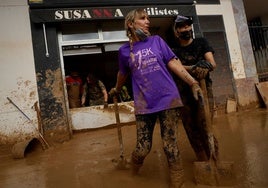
(225, 9)
(17, 72)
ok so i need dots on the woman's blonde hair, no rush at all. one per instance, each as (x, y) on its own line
(129, 19)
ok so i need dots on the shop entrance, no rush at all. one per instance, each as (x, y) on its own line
(93, 48)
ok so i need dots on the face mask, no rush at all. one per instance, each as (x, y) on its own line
(186, 35)
(140, 34)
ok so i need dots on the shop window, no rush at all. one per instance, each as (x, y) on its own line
(114, 31)
(93, 33)
(110, 35)
(86, 32)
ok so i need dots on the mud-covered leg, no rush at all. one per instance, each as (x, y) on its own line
(169, 120)
(145, 127)
(176, 174)
(136, 163)
(191, 121)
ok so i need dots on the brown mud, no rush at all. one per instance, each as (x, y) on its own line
(86, 160)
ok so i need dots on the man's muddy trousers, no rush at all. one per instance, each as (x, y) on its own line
(194, 122)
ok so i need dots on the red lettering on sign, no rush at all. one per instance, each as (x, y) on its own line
(108, 13)
(100, 13)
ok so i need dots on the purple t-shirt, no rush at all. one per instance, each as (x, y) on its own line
(153, 86)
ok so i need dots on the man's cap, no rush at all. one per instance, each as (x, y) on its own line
(180, 20)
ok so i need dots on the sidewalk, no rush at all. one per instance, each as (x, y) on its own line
(86, 160)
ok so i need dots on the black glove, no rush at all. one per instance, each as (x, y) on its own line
(203, 64)
(200, 73)
(197, 91)
(201, 69)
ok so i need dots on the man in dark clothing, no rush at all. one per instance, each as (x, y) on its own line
(197, 57)
(94, 92)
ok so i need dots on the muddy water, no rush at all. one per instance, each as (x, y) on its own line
(86, 160)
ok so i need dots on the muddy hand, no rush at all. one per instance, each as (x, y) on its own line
(200, 73)
(196, 91)
(113, 92)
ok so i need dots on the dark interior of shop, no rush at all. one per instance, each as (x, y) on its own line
(103, 66)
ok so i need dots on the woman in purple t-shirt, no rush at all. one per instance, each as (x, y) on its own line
(149, 60)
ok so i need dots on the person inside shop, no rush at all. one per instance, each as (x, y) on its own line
(148, 60)
(197, 57)
(74, 89)
(94, 92)
(124, 94)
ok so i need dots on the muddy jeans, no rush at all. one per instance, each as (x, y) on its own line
(193, 118)
(169, 120)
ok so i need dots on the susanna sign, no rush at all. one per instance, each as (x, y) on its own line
(72, 14)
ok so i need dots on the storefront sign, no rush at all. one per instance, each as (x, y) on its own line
(97, 13)
(74, 14)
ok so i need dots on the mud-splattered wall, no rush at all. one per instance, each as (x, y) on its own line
(17, 74)
(53, 109)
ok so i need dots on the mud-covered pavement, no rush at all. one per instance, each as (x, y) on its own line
(86, 160)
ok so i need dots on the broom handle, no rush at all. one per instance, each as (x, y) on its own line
(208, 119)
(119, 132)
(40, 135)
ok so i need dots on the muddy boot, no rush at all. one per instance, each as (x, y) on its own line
(135, 169)
(176, 174)
(136, 164)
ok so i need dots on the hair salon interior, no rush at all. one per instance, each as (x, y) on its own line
(42, 41)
